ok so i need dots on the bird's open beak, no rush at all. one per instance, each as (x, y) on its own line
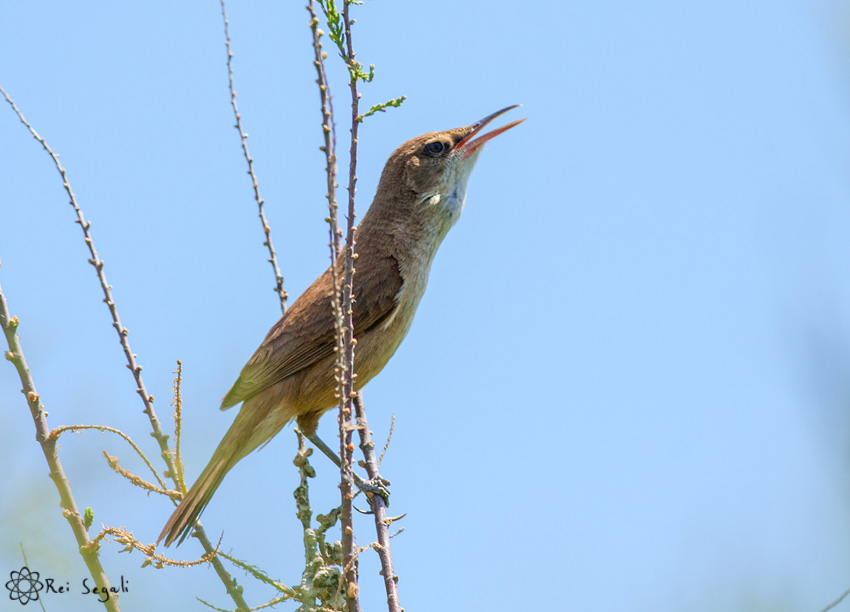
(468, 145)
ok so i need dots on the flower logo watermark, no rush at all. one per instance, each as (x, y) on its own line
(24, 585)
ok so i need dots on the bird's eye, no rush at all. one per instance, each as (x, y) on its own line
(435, 148)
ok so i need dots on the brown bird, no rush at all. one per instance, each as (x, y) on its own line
(420, 196)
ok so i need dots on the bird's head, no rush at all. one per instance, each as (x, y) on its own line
(432, 170)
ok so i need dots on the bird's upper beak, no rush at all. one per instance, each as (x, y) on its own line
(468, 145)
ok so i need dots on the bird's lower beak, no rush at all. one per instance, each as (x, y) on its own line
(468, 145)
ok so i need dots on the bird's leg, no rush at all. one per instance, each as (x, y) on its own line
(377, 486)
(320, 444)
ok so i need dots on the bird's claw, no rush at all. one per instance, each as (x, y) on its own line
(374, 486)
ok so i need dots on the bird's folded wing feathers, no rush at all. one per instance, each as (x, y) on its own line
(298, 340)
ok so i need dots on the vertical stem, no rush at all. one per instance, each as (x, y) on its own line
(328, 133)
(278, 275)
(341, 305)
(379, 509)
(347, 426)
(15, 354)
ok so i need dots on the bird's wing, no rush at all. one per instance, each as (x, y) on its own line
(305, 334)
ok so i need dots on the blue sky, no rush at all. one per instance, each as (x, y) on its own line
(627, 387)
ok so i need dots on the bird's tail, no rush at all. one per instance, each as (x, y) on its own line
(244, 435)
(186, 514)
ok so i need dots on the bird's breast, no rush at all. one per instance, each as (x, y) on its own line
(376, 347)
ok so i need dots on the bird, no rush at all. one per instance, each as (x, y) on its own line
(420, 196)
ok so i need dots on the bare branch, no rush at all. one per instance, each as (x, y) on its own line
(147, 399)
(340, 27)
(340, 304)
(98, 264)
(278, 275)
(328, 131)
(347, 330)
(837, 601)
(88, 548)
(389, 436)
(379, 509)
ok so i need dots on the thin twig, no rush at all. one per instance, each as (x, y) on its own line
(98, 264)
(261, 576)
(837, 601)
(138, 481)
(27, 563)
(122, 536)
(389, 437)
(177, 402)
(87, 548)
(278, 275)
(355, 553)
(147, 399)
(58, 431)
(328, 131)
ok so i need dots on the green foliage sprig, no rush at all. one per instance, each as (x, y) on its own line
(380, 108)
